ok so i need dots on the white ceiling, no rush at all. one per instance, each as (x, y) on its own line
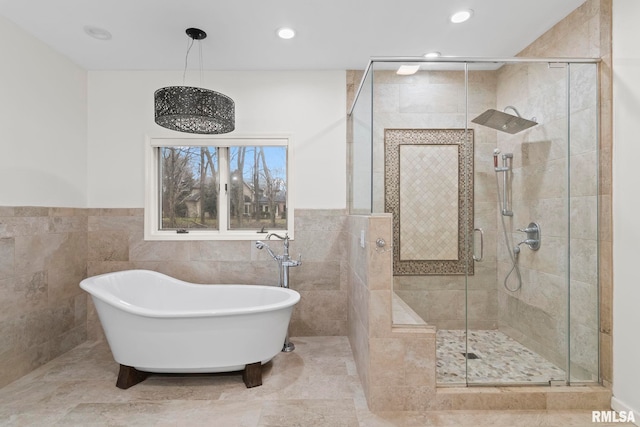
(331, 34)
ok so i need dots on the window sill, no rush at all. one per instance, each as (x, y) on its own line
(211, 235)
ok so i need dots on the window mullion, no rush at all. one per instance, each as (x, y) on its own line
(223, 199)
(158, 183)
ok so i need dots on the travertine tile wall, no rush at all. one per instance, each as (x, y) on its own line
(43, 312)
(396, 364)
(115, 242)
(46, 252)
(358, 297)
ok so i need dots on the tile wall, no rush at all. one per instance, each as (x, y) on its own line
(43, 312)
(396, 365)
(46, 252)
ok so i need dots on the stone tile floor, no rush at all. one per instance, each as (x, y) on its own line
(316, 385)
(500, 359)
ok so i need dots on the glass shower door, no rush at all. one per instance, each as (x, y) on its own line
(516, 296)
(497, 162)
(584, 209)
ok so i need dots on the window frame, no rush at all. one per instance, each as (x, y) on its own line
(152, 230)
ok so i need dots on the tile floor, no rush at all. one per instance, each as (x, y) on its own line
(316, 385)
(500, 359)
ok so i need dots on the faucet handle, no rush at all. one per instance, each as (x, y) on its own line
(526, 230)
(296, 262)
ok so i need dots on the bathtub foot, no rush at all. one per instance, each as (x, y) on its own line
(129, 376)
(252, 375)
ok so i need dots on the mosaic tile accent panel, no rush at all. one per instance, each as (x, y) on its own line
(500, 359)
(426, 192)
(437, 238)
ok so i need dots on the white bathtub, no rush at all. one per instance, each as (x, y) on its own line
(156, 323)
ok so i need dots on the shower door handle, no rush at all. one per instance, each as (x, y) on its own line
(475, 258)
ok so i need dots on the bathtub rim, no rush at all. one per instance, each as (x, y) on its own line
(91, 286)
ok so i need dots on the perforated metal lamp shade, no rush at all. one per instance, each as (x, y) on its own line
(194, 110)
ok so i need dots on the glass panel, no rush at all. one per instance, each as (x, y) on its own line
(422, 158)
(360, 149)
(189, 193)
(517, 298)
(583, 199)
(258, 188)
(484, 340)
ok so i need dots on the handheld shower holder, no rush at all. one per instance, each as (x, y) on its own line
(505, 169)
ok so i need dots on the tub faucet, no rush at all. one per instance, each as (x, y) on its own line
(286, 259)
(284, 263)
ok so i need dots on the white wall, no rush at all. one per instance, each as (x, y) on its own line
(626, 206)
(59, 148)
(311, 106)
(43, 124)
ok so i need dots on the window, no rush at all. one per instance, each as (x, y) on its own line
(217, 188)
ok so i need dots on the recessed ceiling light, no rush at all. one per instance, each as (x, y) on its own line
(97, 33)
(286, 33)
(432, 55)
(461, 16)
(407, 70)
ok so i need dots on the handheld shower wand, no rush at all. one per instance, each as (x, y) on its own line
(262, 245)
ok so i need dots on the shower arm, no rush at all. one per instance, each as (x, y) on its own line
(511, 107)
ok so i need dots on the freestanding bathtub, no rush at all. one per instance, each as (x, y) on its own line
(156, 323)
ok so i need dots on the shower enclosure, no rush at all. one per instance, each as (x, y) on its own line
(490, 170)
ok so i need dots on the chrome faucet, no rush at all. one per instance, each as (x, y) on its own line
(284, 262)
(285, 258)
(533, 233)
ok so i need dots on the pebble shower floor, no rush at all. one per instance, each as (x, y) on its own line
(500, 359)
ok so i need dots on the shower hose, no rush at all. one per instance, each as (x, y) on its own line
(513, 253)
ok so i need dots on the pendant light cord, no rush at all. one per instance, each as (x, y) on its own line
(186, 61)
(201, 73)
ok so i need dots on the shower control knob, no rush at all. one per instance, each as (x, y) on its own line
(528, 230)
(533, 236)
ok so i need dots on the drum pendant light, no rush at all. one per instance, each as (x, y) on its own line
(194, 109)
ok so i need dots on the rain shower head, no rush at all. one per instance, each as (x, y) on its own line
(504, 122)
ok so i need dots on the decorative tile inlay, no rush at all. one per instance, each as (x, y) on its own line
(500, 359)
(420, 166)
(428, 193)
